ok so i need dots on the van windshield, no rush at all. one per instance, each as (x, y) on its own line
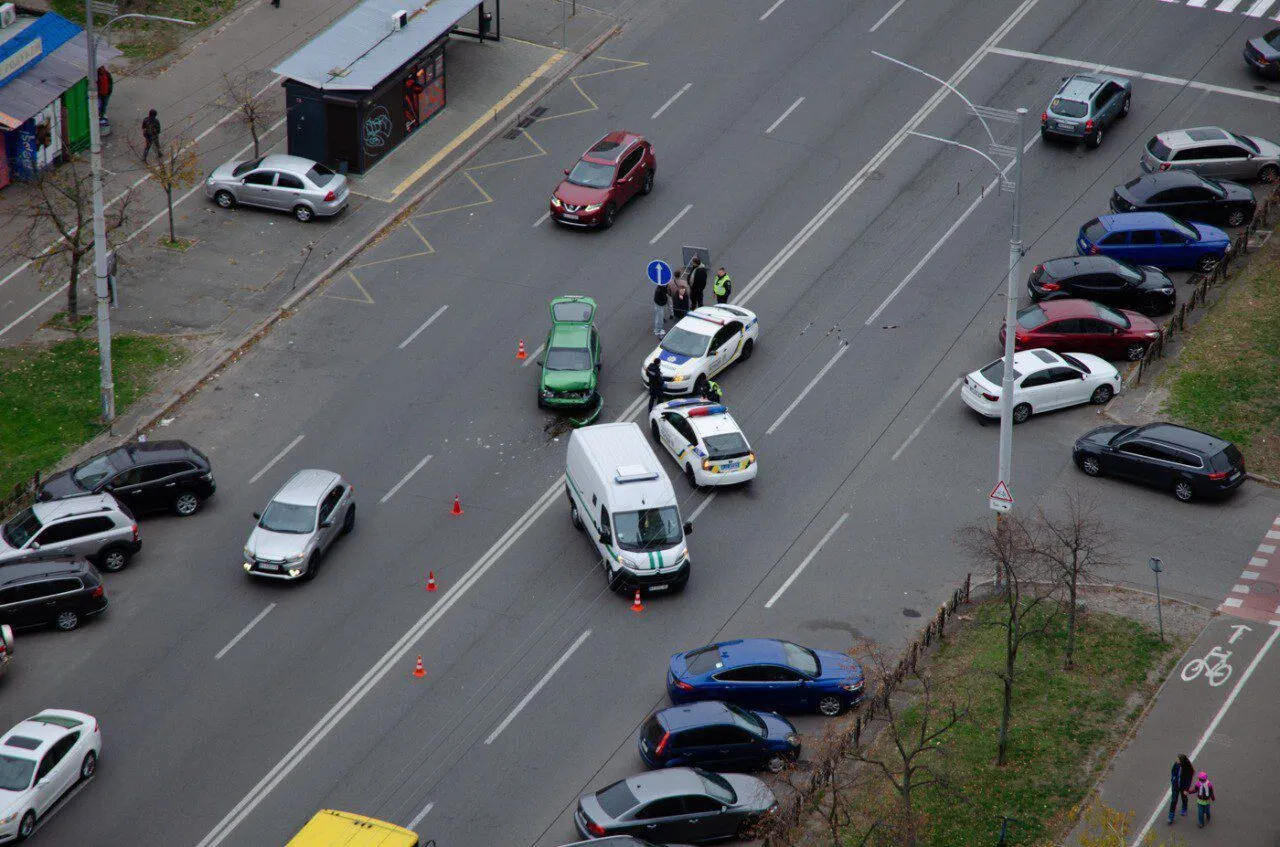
(648, 529)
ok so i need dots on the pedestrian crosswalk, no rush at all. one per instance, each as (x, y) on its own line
(1257, 595)
(1250, 8)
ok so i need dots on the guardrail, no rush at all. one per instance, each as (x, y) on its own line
(20, 496)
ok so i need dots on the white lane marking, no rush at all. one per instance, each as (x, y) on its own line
(887, 15)
(674, 220)
(784, 115)
(425, 811)
(533, 356)
(1233, 602)
(772, 8)
(533, 692)
(1227, 5)
(704, 504)
(833, 205)
(404, 479)
(269, 465)
(844, 348)
(807, 559)
(539, 221)
(1171, 80)
(242, 633)
(57, 292)
(1249, 575)
(437, 313)
(1259, 8)
(674, 98)
(927, 418)
(1196, 4)
(1213, 725)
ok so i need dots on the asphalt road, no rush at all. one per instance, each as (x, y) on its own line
(822, 221)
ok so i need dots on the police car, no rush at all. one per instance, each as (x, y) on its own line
(705, 441)
(703, 343)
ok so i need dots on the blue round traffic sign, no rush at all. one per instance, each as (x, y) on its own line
(659, 272)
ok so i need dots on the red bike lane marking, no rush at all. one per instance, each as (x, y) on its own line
(1256, 595)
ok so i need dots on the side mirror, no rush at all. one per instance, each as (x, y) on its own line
(605, 538)
(538, 361)
(325, 524)
(688, 527)
(257, 516)
(35, 545)
(1084, 376)
(566, 171)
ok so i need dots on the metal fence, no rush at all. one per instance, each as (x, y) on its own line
(20, 496)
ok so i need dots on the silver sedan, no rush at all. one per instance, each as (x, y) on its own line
(287, 183)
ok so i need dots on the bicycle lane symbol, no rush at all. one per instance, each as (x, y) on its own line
(1214, 665)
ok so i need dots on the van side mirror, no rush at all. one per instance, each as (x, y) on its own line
(326, 523)
(605, 537)
(257, 516)
(688, 527)
(35, 545)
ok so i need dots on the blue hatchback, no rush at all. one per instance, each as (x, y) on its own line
(719, 737)
(766, 673)
(1154, 238)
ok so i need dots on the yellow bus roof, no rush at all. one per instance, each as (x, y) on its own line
(330, 828)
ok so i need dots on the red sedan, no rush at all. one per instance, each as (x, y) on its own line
(615, 169)
(1083, 326)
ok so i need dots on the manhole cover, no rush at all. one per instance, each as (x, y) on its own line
(1264, 588)
(910, 613)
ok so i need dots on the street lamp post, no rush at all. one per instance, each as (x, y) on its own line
(1157, 567)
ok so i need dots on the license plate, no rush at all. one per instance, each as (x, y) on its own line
(660, 587)
(1062, 126)
(569, 217)
(271, 568)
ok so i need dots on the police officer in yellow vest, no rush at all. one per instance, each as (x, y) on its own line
(722, 285)
(711, 391)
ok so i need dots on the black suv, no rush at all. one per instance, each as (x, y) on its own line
(52, 592)
(1105, 280)
(146, 476)
(1186, 195)
(1186, 461)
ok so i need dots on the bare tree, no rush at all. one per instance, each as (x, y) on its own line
(56, 227)
(1009, 544)
(254, 110)
(176, 166)
(1075, 547)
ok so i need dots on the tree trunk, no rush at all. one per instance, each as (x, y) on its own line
(253, 130)
(73, 292)
(910, 835)
(1071, 623)
(168, 193)
(1010, 659)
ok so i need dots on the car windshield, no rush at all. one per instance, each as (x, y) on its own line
(15, 773)
(1273, 38)
(1069, 108)
(1183, 228)
(617, 799)
(319, 175)
(682, 342)
(717, 787)
(1111, 316)
(1159, 149)
(801, 658)
(994, 372)
(21, 528)
(1215, 186)
(747, 720)
(1127, 272)
(648, 529)
(244, 167)
(591, 175)
(1246, 142)
(288, 517)
(1095, 230)
(93, 471)
(568, 359)
(1032, 317)
(726, 446)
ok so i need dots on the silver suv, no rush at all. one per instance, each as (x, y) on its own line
(288, 183)
(1085, 106)
(1213, 152)
(95, 526)
(300, 523)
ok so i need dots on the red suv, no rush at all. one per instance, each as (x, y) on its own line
(614, 170)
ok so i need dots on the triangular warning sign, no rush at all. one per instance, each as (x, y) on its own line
(1001, 493)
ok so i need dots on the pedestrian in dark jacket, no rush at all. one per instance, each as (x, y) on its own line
(106, 84)
(151, 134)
(659, 309)
(697, 282)
(1181, 776)
(680, 295)
(1203, 790)
(653, 375)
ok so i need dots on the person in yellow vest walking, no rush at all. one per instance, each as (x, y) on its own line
(722, 285)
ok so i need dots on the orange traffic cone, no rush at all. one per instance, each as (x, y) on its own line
(520, 354)
(418, 670)
(431, 580)
(636, 605)
(457, 506)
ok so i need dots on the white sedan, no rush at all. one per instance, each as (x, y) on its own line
(703, 343)
(42, 759)
(1042, 380)
(705, 441)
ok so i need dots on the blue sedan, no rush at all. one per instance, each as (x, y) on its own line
(767, 674)
(1154, 238)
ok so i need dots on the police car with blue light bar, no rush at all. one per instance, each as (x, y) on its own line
(705, 441)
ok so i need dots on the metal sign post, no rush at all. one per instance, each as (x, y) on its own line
(1157, 567)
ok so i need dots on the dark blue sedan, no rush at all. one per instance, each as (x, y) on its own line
(719, 737)
(768, 674)
(1154, 238)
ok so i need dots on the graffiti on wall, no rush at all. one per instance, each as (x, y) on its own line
(377, 130)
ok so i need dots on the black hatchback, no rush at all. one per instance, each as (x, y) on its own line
(57, 592)
(147, 476)
(1112, 282)
(1190, 463)
(1188, 196)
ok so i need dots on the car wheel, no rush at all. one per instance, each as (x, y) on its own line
(609, 212)
(1237, 217)
(1269, 174)
(89, 766)
(776, 764)
(653, 428)
(1093, 142)
(27, 826)
(186, 504)
(1124, 107)
(648, 183)
(1021, 413)
(1091, 466)
(612, 578)
(224, 199)
(113, 559)
(1134, 352)
(349, 522)
(303, 213)
(66, 620)
(1102, 394)
(313, 568)
(688, 474)
(830, 705)
(574, 516)
(1183, 491)
(747, 349)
